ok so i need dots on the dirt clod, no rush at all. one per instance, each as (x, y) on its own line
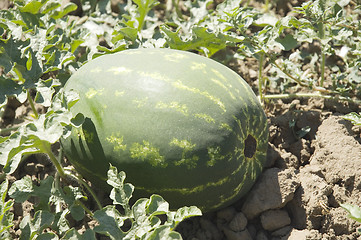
(274, 189)
(238, 223)
(275, 219)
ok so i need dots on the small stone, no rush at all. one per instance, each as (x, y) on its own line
(231, 235)
(210, 228)
(261, 235)
(304, 234)
(274, 189)
(226, 214)
(27, 208)
(285, 231)
(252, 229)
(340, 223)
(272, 155)
(274, 219)
(238, 223)
(18, 232)
(252, 73)
(21, 111)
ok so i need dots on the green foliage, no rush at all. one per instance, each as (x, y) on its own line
(40, 46)
(51, 196)
(354, 212)
(204, 29)
(38, 135)
(36, 40)
(6, 216)
(355, 118)
(143, 215)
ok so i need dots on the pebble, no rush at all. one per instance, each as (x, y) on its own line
(282, 232)
(252, 229)
(274, 219)
(274, 190)
(231, 235)
(299, 234)
(226, 214)
(238, 223)
(261, 235)
(210, 229)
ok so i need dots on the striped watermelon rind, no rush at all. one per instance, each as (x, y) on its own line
(179, 124)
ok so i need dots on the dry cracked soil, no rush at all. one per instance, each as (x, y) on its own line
(299, 193)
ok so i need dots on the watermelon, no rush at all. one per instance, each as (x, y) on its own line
(178, 124)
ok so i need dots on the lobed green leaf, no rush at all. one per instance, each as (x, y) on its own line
(121, 193)
(6, 216)
(354, 211)
(73, 234)
(162, 233)
(355, 118)
(110, 222)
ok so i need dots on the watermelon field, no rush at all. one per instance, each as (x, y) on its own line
(180, 119)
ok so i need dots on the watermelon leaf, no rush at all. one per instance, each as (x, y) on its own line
(121, 193)
(6, 216)
(163, 233)
(110, 222)
(183, 213)
(143, 214)
(354, 211)
(38, 135)
(157, 206)
(31, 227)
(89, 234)
(355, 118)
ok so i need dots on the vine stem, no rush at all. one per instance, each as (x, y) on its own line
(142, 16)
(82, 182)
(321, 34)
(287, 73)
(260, 75)
(323, 63)
(266, 6)
(314, 94)
(85, 208)
(8, 130)
(174, 4)
(32, 105)
(57, 185)
(47, 149)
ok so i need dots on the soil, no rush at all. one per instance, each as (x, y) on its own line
(314, 164)
(299, 193)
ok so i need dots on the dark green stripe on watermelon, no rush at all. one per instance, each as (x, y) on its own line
(179, 124)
